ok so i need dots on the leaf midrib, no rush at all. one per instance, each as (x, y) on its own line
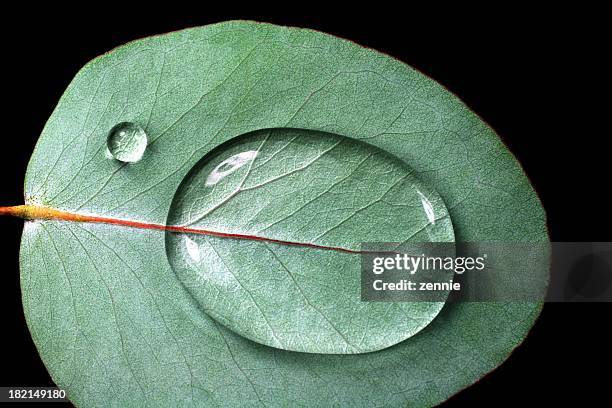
(34, 212)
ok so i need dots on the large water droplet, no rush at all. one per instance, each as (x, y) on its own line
(321, 191)
(127, 142)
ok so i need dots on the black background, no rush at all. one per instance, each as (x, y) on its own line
(535, 76)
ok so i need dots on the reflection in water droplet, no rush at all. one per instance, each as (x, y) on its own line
(305, 187)
(127, 142)
(429, 211)
(228, 166)
(193, 249)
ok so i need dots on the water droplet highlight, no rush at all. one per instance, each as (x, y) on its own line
(228, 166)
(127, 142)
(428, 208)
(192, 249)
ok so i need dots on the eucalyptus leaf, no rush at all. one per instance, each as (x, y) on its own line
(113, 322)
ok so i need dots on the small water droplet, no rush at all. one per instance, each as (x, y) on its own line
(127, 142)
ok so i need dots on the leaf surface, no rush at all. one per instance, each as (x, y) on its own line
(110, 318)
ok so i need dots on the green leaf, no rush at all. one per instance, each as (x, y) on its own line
(111, 319)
